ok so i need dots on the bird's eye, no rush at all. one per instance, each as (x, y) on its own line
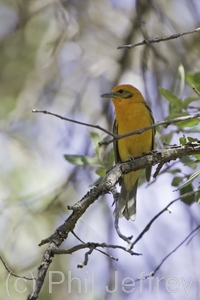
(121, 91)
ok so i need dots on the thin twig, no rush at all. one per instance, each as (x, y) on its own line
(162, 172)
(86, 258)
(159, 39)
(151, 274)
(103, 252)
(193, 237)
(93, 245)
(194, 107)
(74, 121)
(13, 274)
(159, 167)
(166, 208)
(195, 89)
(106, 184)
(120, 136)
(139, 131)
(174, 250)
(147, 227)
(121, 235)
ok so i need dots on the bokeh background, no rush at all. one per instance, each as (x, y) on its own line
(61, 56)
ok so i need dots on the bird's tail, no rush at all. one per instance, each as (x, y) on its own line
(127, 202)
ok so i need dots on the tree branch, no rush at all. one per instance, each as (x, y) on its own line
(159, 39)
(139, 131)
(122, 236)
(168, 255)
(120, 136)
(166, 208)
(13, 274)
(174, 250)
(74, 121)
(109, 181)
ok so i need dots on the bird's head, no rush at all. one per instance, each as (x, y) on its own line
(124, 92)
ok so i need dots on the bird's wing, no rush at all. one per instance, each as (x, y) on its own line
(148, 170)
(115, 146)
(115, 143)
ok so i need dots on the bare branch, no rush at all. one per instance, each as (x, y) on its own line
(86, 258)
(147, 227)
(174, 250)
(120, 136)
(166, 208)
(192, 237)
(159, 167)
(139, 131)
(93, 245)
(168, 255)
(105, 186)
(195, 89)
(13, 274)
(84, 245)
(194, 107)
(96, 245)
(122, 236)
(159, 39)
(74, 121)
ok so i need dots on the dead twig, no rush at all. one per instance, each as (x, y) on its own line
(159, 39)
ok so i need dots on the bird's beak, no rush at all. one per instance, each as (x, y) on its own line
(108, 95)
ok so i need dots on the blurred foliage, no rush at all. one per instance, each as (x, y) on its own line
(61, 56)
(103, 157)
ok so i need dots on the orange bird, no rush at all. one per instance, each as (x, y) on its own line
(132, 113)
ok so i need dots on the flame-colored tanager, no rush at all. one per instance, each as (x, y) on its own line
(132, 113)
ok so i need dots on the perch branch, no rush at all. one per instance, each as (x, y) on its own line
(105, 186)
(120, 136)
(139, 131)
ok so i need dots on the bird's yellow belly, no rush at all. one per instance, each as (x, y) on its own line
(130, 119)
(134, 145)
(137, 144)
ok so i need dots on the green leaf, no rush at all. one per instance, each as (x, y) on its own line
(82, 160)
(193, 79)
(171, 97)
(95, 137)
(186, 159)
(189, 161)
(181, 73)
(192, 164)
(192, 140)
(174, 171)
(166, 138)
(189, 100)
(188, 123)
(189, 199)
(197, 157)
(175, 114)
(111, 158)
(190, 180)
(197, 197)
(176, 181)
(98, 181)
(182, 141)
(101, 172)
